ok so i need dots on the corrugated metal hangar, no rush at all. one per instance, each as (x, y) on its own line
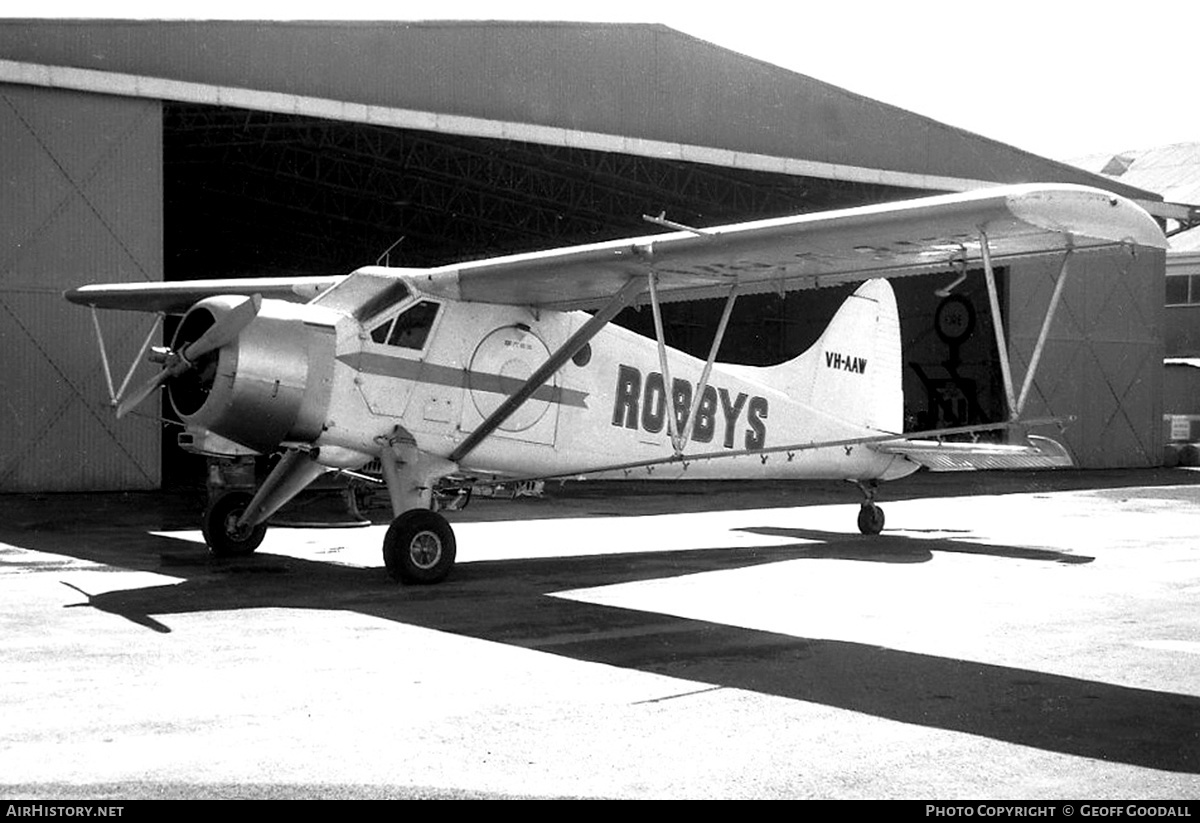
(143, 151)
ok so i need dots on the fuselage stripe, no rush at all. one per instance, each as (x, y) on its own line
(402, 368)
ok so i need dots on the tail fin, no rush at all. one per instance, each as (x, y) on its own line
(853, 372)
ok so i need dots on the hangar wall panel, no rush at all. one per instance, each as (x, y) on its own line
(81, 188)
(1103, 360)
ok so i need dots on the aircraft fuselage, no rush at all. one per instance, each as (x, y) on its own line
(609, 405)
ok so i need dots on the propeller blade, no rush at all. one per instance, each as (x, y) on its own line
(135, 398)
(224, 330)
(220, 333)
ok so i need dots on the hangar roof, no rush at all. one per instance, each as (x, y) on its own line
(630, 88)
(1172, 171)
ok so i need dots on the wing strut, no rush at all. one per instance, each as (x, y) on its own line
(1016, 403)
(586, 332)
(708, 364)
(668, 384)
(115, 395)
(679, 440)
(997, 323)
(1059, 281)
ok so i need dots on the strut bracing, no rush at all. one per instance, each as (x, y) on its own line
(998, 325)
(1059, 281)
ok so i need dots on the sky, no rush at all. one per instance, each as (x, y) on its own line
(1059, 78)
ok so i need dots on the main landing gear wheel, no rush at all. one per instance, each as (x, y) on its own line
(221, 531)
(419, 547)
(870, 519)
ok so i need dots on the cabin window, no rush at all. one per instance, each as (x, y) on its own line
(380, 333)
(409, 329)
(1183, 290)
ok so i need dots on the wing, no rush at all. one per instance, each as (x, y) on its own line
(811, 250)
(805, 251)
(178, 297)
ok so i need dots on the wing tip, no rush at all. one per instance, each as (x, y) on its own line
(1087, 211)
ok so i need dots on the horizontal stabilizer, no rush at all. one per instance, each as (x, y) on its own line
(1039, 453)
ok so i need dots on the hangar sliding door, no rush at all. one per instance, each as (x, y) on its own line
(1103, 359)
(81, 182)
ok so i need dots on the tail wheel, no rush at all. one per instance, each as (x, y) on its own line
(870, 519)
(221, 531)
(419, 547)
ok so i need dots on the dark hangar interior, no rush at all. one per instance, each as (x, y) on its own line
(251, 193)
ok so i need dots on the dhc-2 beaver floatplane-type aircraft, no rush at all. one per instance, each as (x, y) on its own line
(495, 369)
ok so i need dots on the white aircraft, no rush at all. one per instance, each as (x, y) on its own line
(494, 369)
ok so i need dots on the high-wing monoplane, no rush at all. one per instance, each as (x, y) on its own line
(509, 367)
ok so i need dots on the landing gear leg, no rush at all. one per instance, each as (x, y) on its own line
(870, 516)
(419, 546)
(236, 522)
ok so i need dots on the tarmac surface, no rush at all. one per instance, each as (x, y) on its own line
(1008, 636)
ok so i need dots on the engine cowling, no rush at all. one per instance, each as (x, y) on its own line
(270, 385)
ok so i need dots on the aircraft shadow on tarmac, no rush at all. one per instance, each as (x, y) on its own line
(508, 601)
(894, 548)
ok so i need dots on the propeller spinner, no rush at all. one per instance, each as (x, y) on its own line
(175, 363)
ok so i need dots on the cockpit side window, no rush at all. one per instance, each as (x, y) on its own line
(410, 329)
(413, 326)
(380, 333)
